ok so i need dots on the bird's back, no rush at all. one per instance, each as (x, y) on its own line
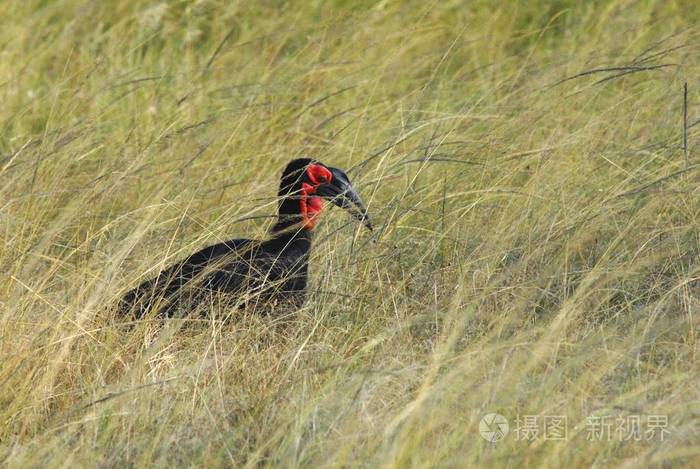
(241, 270)
(185, 279)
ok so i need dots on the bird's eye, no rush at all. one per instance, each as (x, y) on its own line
(318, 175)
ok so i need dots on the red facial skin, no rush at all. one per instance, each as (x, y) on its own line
(311, 207)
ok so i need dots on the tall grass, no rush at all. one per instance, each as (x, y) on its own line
(536, 252)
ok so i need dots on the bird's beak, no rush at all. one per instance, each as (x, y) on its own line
(341, 193)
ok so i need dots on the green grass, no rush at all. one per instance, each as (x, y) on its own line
(536, 250)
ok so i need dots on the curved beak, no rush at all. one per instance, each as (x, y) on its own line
(341, 193)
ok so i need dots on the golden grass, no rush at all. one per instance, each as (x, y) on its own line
(536, 251)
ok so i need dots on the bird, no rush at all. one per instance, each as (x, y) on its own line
(267, 274)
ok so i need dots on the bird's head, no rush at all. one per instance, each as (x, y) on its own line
(306, 183)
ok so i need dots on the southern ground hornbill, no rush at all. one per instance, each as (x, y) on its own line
(255, 272)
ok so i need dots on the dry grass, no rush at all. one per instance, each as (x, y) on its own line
(536, 251)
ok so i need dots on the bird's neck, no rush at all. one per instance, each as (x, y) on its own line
(290, 232)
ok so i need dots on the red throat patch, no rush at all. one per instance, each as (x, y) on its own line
(311, 206)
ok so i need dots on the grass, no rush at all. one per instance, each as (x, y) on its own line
(536, 252)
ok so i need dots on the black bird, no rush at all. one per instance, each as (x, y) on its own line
(246, 271)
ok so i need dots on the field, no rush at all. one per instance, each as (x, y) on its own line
(534, 187)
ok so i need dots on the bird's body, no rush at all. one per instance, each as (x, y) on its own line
(253, 272)
(242, 270)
